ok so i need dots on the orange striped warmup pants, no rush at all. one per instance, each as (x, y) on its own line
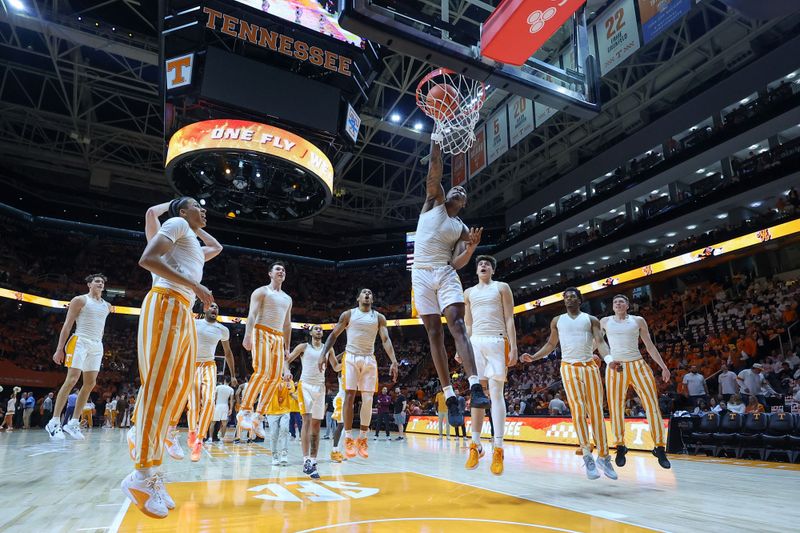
(201, 399)
(167, 347)
(638, 374)
(585, 396)
(268, 360)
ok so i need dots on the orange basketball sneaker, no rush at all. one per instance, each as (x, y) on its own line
(362, 448)
(474, 456)
(349, 447)
(497, 461)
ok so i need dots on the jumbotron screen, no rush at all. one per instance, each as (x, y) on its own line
(311, 14)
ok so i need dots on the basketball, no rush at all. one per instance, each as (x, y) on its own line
(442, 101)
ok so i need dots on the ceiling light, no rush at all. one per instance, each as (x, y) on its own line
(608, 174)
(202, 201)
(691, 226)
(590, 262)
(231, 214)
(534, 283)
(626, 250)
(17, 4)
(663, 194)
(654, 191)
(613, 211)
(418, 126)
(753, 146)
(671, 234)
(710, 173)
(395, 117)
(791, 75)
(755, 204)
(744, 101)
(543, 279)
(763, 150)
(580, 225)
(700, 171)
(577, 191)
(722, 216)
(227, 171)
(605, 258)
(652, 241)
(578, 267)
(553, 204)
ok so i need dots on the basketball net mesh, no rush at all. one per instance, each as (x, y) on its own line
(454, 118)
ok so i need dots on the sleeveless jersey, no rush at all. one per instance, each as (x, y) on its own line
(274, 308)
(623, 339)
(208, 336)
(436, 237)
(575, 337)
(486, 306)
(91, 319)
(311, 374)
(361, 332)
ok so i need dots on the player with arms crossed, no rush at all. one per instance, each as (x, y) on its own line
(311, 396)
(82, 354)
(490, 324)
(360, 369)
(576, 332)
(443, 245)
(626, 367)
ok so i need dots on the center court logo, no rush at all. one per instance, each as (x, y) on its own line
(310, 491)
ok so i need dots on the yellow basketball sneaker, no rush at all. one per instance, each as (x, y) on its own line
(475, 453)
(497, 461)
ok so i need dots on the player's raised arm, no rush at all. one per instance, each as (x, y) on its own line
(434, 192)
(341, 325)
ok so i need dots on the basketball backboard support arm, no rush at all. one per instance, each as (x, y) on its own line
(387, 28)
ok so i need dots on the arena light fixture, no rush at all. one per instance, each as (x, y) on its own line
(578, 267)
(590, 263)
(744, 101)
(418, 126)
(17, 5)
(791, 75)
(626, 250)
(654, 191)
(543, 280)
(613, 211)
(395, 117)
(710, 173)
(691, 226)
(605, 258)
(753, 147)
(608, 174)
(671, 234)
(202, 201)
(652, 241)
(577, 191)
(722, 216)
(755, 204)
(700, 171)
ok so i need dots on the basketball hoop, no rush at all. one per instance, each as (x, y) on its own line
(454, 103)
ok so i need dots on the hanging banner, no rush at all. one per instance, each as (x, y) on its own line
(459, 164)
(477, 154)
(617, 35)
(497, 134)
(542, 113)
(658, 15)
(520, 119)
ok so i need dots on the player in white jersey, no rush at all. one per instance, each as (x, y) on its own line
(223, 407)
(490, 325)
(626, 367)
(577, 332)
(210, 334)
(267, 334)
(443, 244)
(167, 345)
(311, 396)
(81, 354)
(360, 369)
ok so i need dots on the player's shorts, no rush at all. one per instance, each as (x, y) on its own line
(83, 354)
(491, 356)
(220, 412)
(435, 288)
(338, 404)
(311, 399)
(360, 373)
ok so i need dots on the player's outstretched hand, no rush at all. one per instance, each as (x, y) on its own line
(393, 371)
(475, 235)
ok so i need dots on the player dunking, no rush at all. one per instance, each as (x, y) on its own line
(311, 396)
(576, 331)
(82, 354)
(201, 401)
(267, 334)
(444, 244)
(626, 367)
(167, 345)
(490, 324)
(360, 369)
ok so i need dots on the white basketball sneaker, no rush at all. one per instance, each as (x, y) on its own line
(605, 466)
(162, 490)
(173, 444)
(53, 429)
(144, 494)
(73, 429)
(591, 467)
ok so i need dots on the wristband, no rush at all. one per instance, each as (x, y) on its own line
(608, 359)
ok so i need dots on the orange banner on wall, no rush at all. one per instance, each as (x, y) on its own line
(545, 430)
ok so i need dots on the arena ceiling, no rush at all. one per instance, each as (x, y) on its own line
(81, 121)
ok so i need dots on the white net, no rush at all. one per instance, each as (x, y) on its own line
(454, 103)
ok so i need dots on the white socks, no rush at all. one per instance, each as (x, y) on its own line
(498, 410)
(448, 391)
(348, 433)
(473, 380)
(476, 437)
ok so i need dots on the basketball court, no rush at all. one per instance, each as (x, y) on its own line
(417, 485)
